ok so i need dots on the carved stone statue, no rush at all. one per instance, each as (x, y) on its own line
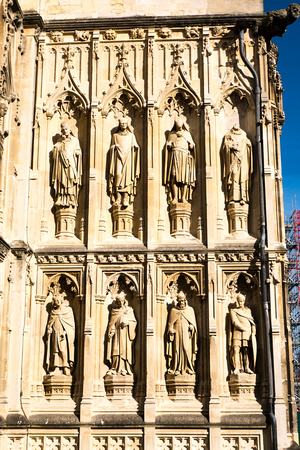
(179, 166)
(121, 334)
(60, 335)
(124, 165)
(236, 155)
(242, 336)
(181, 338)
(276, 21)
(66, 168)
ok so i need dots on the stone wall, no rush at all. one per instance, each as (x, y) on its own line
(130, 236)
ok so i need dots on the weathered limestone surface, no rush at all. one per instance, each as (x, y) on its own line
(74, 9)
(130, 293)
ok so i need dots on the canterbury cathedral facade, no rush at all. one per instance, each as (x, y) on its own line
(143, 300)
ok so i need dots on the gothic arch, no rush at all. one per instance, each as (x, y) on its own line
(71, 281)
(181, 280)
(240, 281)
(116, 281)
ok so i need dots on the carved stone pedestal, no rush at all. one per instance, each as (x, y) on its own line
(181, 387)
(58, 388)
(180, 214)
(238, 218)
(65, 222)
(242, 386)
(122, 221)
(118, 387)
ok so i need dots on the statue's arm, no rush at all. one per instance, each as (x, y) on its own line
(235, 321)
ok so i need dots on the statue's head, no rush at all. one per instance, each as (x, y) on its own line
(121, 299)
(57, 300)
(181, 300)
(179, 123)
(240, 299)
(65, 128)
(293, 11)
(123, 123)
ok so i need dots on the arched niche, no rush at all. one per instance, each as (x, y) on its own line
(116, 283)
(69, 285)
(247, 284)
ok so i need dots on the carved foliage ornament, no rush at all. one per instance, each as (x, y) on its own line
(137, 33)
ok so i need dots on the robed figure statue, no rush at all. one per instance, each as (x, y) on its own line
(242, 337)
(236, 155)
(124, 165)
(66, 173)
(60, 335)
(121, 334)
(179, 163)
(182, 334)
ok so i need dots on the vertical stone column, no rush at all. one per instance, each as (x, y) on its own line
(214, 404)
(151, 206)
(88, 356)
(149, 405)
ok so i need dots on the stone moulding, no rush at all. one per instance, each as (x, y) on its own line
(4, 249)
(60, 259)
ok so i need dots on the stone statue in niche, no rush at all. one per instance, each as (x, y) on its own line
(242, 337)
(236, 155)
(66, 180)
(237, 166)
(124, 165)
(60, 335)
(121, 335)
(179, 168)
(182, 334)
(66, 168)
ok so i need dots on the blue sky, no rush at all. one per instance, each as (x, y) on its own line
(289, 68)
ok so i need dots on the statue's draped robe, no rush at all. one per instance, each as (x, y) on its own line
(124, 165)
(180, 162)
(120, 345)
(241, 330)
(182, 346)
(236, 154)
(60, 344)
(66, 171)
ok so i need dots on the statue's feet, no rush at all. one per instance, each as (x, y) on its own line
(123, 372)
(111, 372)
(174, 201)
(247, 370)
(125, 203)
(171, 372)
(190, 371)
(67, 371)
(176, 372)
(236, 371)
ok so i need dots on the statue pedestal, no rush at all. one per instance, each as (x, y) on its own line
(118, 387)
(181, 387)
(122, 221)
(180, 214)
(65, 222)
(238, 218)
(58, 387)
(242, 386)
